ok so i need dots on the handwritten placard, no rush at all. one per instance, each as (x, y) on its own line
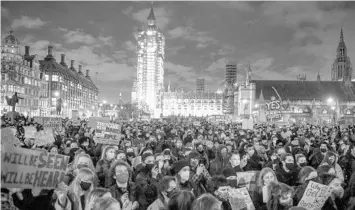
(30, 132)
(44, 137)
(8, 136)
(315, 196)
(240, 199)
(26, 168)
(107, 133)
(247, 179)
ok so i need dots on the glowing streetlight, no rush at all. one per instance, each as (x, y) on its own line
(100, 104)
(65, 104)
(330, 100)
(56, 94)
(111, 105)
(92, 107)
(104, 101)
(333, 108)
(256, 106)
(245, 101)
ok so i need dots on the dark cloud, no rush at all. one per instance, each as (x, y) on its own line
(336, 5)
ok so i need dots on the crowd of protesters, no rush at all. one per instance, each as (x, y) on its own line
(185, 166)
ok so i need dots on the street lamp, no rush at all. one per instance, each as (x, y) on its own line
(56, 94)
(330, 100)
(104, 101)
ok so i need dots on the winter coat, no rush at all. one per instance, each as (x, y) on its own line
(218, 164)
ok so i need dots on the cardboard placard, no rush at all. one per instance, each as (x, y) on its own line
(107, 133)
(8, 136)
(30, 131)
(240, 199)
(247, 179)
(26, 168)
(44, 137)
(315, 196)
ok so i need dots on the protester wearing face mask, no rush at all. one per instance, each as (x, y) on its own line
(123, 189)
(317, 158)
(149, 175)
(221, 161)
(103, 165)
(301, 161)
(198, 172)
(202, 154)
(181, 171)
(348, 162)
(167, 188)
(331, 160)
(334, 202)
(286, 172)
(254, 162)
(280, 196)
(76, 195)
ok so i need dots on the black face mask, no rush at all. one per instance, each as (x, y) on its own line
(85, 185)
(149, 167)
(323, 150)
(80, 166)
(303, 165)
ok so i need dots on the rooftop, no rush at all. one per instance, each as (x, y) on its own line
(306, 90)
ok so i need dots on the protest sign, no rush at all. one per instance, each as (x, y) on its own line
(136, 161)
(240, 199)
(315, 196)
(247, 179)
(107, 133)
(8, 136)
(49, 122)
(93, 121)
(44, 137)
(26, 168)
(197, 123)
(30, 131)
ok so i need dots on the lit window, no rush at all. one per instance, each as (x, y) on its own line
(55, 78)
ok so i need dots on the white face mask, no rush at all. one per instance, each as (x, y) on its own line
(185, 175)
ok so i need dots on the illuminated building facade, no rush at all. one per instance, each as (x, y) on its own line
(197, 104)
(21, 74)
(149, 84)
(341, 68)
(229, 88)
(75, 90)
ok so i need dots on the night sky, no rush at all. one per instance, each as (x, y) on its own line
(280, 39)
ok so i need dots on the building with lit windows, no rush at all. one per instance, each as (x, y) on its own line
(21, 74)
(229, 88)
(301, 101)
(180, 103)
(149, 84)
(72, 87)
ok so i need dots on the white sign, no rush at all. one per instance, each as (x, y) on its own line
(240, 199)
(315, 196)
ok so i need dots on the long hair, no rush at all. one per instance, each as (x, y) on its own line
(260, 179)
(205, 202)
(304, 173)
(104, 150)
(326, 159)
(76, 159)
(106, 203)
(181, 200)
(276, 190)
(94, 195)
(112, 172)
(84, 174)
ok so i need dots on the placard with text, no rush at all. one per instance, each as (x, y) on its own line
(26, 168)
(315, 196)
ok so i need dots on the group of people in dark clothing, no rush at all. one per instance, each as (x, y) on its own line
(178, 165)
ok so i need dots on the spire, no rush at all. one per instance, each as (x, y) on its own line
(341, 34)
(248, 77)
(318, 77)
(151, 15)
